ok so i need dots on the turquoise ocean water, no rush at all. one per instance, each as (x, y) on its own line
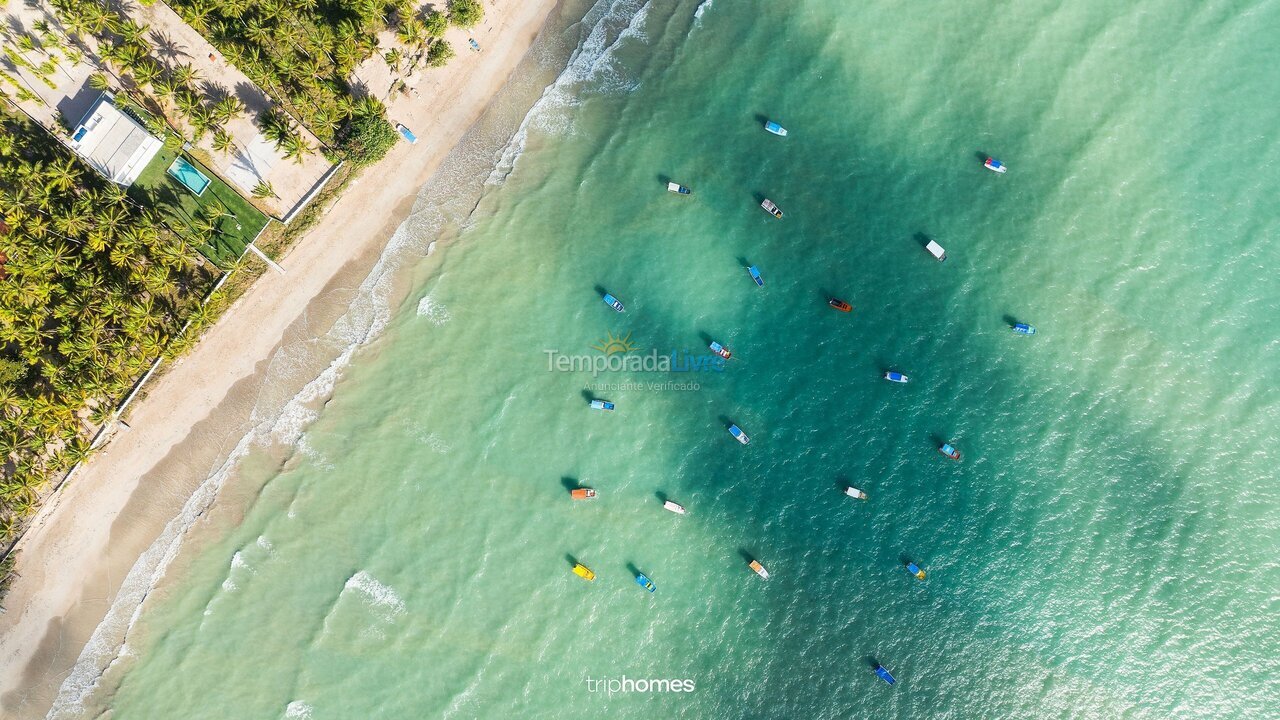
(1105, 549)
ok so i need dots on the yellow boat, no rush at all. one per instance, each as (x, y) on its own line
(583, 572)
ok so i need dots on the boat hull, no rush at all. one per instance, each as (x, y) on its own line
(775, 128)
(758, 569)
(583, 572)
(614, 303)
(582, 494)
(645, 583)
(884, 675)
(949, 451)
(674, 507)
(738, 435)
(854, 492)
(994, 165)
(755, 275)
(895, 377)
(840, 305)
(1024, 329)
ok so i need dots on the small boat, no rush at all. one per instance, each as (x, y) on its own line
(738, 435)
(473, 44)
(949, 451)
(674, 507)
(601, 405)
(770, 208)
(755, 275)
(840, 305)
(884, 674)
(645, 582)
(994, 165)
(759, 569)
(1024, 329)
(614, 303)
(854, 492)
(914, 569)
(936, 250)
(775, 128)
(720, 350)
(678, 188)
(583, 571)
(406, 133)
(582, 493)
(895, 376)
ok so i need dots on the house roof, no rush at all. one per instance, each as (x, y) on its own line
(114, 143)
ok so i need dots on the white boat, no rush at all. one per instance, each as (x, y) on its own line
(758, 569)
(994, 165)
(678, 188)
(775, 128)
(674, 507)
(895, 376)
(854, 492)
(738, 435)
(936, 250)
(770, 208)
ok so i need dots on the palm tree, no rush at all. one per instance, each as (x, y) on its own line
(296, 149)
(264, 190)
(222, 141)
(63, 175)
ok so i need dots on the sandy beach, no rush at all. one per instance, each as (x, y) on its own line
(86, 539)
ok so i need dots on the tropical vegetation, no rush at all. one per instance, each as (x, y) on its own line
(94, 290)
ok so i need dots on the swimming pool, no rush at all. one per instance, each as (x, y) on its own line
(187, 174)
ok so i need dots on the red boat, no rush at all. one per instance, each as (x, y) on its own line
(840, 305)
(582, 493)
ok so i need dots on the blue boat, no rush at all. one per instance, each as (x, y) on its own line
(775, 128)
(645, 582)
(755, 275)
(407, 134)
(994, 165)
(614, 303)
(949, 451)
(895, 376)
(914, 569)
(601, 405)
(884, 674)
(738, 435)
(1024, 329)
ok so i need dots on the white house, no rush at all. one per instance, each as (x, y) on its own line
(114, 143)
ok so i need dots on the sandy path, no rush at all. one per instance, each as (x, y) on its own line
(83, 542)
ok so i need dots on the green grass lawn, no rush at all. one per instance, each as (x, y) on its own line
(179, 206)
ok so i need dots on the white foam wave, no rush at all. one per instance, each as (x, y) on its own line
(265, 544)
(703, 6)
(376, 594)
(432, 310)
(592, 68)
(298, 710)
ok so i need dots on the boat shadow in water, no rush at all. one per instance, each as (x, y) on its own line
(762, 119)
(589, 396)
(569, 483)
(662, 497)
(569, 558)
(601, 291)
(746, 554)
(631, 568)
(872, 661)
(982, 156)
(922, 239)
(1010, 320)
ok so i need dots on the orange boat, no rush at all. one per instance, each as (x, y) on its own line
(582, 493)
(840, 305)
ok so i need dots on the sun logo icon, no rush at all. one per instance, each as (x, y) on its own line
(612, 344)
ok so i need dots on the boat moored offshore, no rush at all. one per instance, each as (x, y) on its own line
(936, 250)
(755, 275)
(855, 493)
(583, 571)
(884, 674)
(839, 304)
(758, 569)
(738, 435)
(895, 376)
(994, 165)
(772, 209)
(720, 350)
(914, 569)
(674, 507)
(582, 493)
(1024, 329)
(775, 128)
(614, 303)
(601, 405)
(949, 451)
(678, 188)
(645, 582)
